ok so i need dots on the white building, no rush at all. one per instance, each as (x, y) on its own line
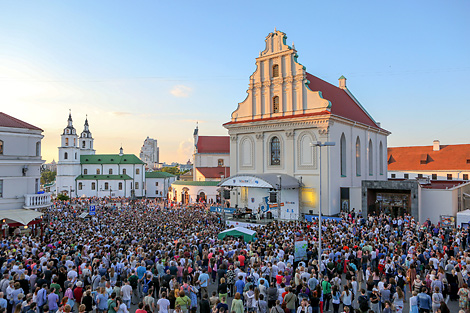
(436, 162)
(20, 164)
(81, 172)
(149, 153)
(211, 158)
(158, 184)
(271, 133)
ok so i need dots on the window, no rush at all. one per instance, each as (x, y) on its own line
(83, 144)
(1, 147)
(371, 159)
(66, 156)
(106, 186)
(449, 176)
(75, 155)
(434, 176)
(74, 142)
(276, 104)
(465, 177)
(120, 186)
(1, 188)
(85, 171)
(420, 175)
(110, 171)
(406, 176)
(36, 185)
(342, 155)
(93, 186)
(156, 184)
(381, 159)
(394, 175)
(358, 157)
(137, 171)
(275, 70)
(275, 149)
(97, 171)
(80, 186)
(136, 185)
(220, 162)
(38, 148)
(123, 171)
(66, 141)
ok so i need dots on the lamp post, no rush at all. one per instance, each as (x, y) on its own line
(222, 199)
(320, 145)
(278, 197)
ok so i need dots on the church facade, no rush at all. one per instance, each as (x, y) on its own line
(273, 132)
(81, 172)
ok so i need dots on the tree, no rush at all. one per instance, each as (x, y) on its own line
(172, 170)
(48, 177)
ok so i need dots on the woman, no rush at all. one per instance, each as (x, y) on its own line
(305, 308)
(436, 299)
(102, 301)
(222, 289)
(336, 298)
(375, 301)
(87, 300)
(398, 300)
(122, 308)
(315, 301)
(183, 301)
(230, 279)
(414, 303)
(112, 277)
(237, 304)
(417, 284)
(463, 297)
(346, 298)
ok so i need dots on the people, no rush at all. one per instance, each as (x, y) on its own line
(162, 254)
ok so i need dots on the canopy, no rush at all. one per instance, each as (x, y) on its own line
(247, 234)
(463, 218)
(22, 216)
(270, 181)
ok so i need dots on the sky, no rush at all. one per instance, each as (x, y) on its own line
(155, 68)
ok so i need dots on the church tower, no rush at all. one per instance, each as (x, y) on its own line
(68, 167)
(86, 140)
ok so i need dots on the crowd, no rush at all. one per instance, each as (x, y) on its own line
(146, 256)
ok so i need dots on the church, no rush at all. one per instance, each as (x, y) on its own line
(274, 136)
(81, 172)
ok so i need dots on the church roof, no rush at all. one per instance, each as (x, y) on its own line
(214, 172)
(423, 158)
(103, 177)
(110, 159)
(213, 144)
(158, 175)
(342, 104)
(9, 121)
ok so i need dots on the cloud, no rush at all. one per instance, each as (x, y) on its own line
(185, 150)
(120, 113)
(181, 91)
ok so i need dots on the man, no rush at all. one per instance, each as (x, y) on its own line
(326, 287)
(134, 282)
(163, 304)
(41, 298)
(204, 282)
(272, 296)
(240, 285)
(363, 302)
(290, 299)
(149, 300)
(126, 292)
(3, 302)
(424, 301)
(112, 303)
(205, 305)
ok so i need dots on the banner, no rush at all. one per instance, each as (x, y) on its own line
(300, 249)
(218, 209)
